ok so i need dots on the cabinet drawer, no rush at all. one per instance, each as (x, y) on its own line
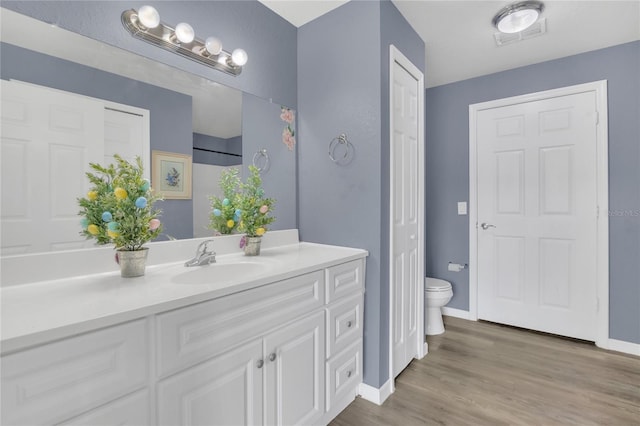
(344, 324)
(189, 335)
(344, 279)
(56, 381)
(344, 372)
(132, 410)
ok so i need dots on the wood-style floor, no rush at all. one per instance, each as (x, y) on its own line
(479, 373)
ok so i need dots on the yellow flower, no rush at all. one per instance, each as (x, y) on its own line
(230, 223)
(112, 234)
(260, 232)
(120, 193)
(92, 195)
(93, 229)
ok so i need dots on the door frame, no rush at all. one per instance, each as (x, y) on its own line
(396, 56)
(602, 196)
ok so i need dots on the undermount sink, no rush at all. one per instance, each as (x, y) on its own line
(217, 272)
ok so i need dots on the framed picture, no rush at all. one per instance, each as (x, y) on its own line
(171, 175)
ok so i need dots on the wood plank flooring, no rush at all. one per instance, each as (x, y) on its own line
(479, 373)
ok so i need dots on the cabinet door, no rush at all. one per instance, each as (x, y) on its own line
(294, 357)
(226, 390)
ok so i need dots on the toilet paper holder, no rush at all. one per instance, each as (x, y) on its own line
(456, 267)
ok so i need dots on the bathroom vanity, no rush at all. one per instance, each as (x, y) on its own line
(275, 339)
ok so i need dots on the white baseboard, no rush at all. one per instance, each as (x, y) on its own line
(453, 312)
(622, 346)
(375, 395)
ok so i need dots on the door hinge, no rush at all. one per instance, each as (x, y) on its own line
(597, 118)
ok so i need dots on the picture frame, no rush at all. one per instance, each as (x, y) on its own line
(171, 175)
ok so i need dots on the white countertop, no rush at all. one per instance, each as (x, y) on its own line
(39, 312)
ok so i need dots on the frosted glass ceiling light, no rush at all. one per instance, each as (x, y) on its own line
(149, 16)
(145, 24)
(184, 33)
(239, 57)
(213, 46)
(518, 16)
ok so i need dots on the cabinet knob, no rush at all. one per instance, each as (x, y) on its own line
(260, 363)
(349, 373)
(272, 357)
(349, 324)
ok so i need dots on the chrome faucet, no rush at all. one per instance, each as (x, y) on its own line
(203, 256)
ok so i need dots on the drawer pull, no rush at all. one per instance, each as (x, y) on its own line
(349, 324)
(272, 357)
(260, 363)
(349, 373)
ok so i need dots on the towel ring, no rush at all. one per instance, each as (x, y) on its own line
(261, 160)
(335, 142)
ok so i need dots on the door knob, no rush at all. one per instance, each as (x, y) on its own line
(272, 357)
(260, 363)
(486, 226)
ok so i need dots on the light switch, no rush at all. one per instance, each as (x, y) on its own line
(462, 208)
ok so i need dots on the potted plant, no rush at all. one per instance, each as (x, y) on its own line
(225, 212)
(255, 212)
(118, 209)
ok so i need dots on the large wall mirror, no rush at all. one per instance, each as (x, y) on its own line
(218, 126)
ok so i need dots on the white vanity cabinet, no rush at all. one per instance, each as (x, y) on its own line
(277, 355)
(275, 379)
(286, 352)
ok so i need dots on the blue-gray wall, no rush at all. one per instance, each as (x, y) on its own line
(269, 40)
(170, 112)
(217, 151)
(447, 168)
(343, 83)
(262, 129)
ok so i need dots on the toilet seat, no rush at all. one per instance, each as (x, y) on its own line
(436, 285)
(438, 288)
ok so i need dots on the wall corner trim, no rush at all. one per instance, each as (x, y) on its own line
(457, 313)
(375, 395)
(625, 347)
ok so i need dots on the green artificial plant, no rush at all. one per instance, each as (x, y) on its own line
(225, 213)
(119, 207)
(255, 208)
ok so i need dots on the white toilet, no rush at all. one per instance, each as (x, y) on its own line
(437, 293)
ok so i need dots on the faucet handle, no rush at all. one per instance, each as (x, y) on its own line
(202, 247)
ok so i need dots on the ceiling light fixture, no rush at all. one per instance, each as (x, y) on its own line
(517, 16)
(145, 24)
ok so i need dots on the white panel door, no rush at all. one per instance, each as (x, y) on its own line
(226, 390)
(294, 361)
(48, 139)
(537, 201)
(124, 134)
(406, 284)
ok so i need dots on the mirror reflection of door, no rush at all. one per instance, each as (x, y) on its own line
(47, 137)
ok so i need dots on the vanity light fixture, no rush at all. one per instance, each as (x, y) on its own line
(518, 16)
(145, 24)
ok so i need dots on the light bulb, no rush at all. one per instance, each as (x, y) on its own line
(213, 45)
(184, 32)
(239, 57)
(148, 16)
(518, 21)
